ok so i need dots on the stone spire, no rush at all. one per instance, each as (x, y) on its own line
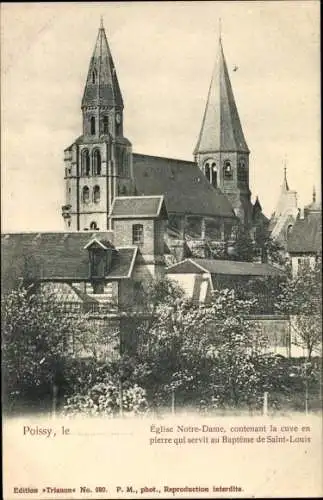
(102, 86)
(221, 128)
(285, 186)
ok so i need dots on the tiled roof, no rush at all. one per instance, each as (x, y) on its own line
(57, 256)
(221, 128)
(226, 267)
(186, 190)
(138, 206)
(306, 235)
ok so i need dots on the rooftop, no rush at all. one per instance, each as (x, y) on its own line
(184, 187)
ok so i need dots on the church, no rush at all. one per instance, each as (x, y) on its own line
(131, 217)
(206, 199)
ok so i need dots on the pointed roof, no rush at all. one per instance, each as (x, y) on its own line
(315, 206)
(285, 186)
(221, 128)
(102, 86)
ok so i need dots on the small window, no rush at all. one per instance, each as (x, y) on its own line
(94, 75)
(86, 194)
(289, 229)
(96, 167)
(85, 162)
(96, 194)
(93, 226)
(92, 122)
(105, 125)
(69, 223)
(137, 234)
(227, 170)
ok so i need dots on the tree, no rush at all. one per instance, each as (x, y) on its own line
(202, 353)
(301, 298)
(38, 339)
(243, 249)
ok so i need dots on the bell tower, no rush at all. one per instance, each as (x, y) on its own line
(221, 151)
(98, 165)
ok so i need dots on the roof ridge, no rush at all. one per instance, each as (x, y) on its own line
(165, 158)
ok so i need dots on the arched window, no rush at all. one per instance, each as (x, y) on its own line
(137, 234)
(93, 225)
(105, 122)
(214, 174)
(96, 194)
(289, 229)
(242, 171)
(96, 165)
(94, 75)
(227, 170)
(207, 171)
(210, 172)
(85, 162)
(92, 121)
(85, 194)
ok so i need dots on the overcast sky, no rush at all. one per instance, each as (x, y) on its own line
(164, 55)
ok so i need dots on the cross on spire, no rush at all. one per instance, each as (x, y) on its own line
(101, 22)
(220, 28)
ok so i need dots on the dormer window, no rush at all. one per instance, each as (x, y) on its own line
(100, 258)
(227, 170)
(137, 234)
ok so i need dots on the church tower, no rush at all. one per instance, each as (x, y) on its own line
(285, 214)
(98, 165)
(221, 151)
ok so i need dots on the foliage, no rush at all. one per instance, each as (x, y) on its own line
(200, 353)
(301, 297)
(243, 249)
(37, 339)
(100, 393)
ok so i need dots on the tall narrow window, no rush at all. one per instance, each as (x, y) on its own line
(85, 162)
(96, 194)
(227, 170)
(105, 125)
(96, 166)
(85, 195)
(92, 125)
(214, 175)
(137, 234)
(94, 74)
(208, 171)
(242, 171)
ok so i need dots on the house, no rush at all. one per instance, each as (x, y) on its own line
(304, 243)
(200, 277)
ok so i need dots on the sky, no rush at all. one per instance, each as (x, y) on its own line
(164, 54)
